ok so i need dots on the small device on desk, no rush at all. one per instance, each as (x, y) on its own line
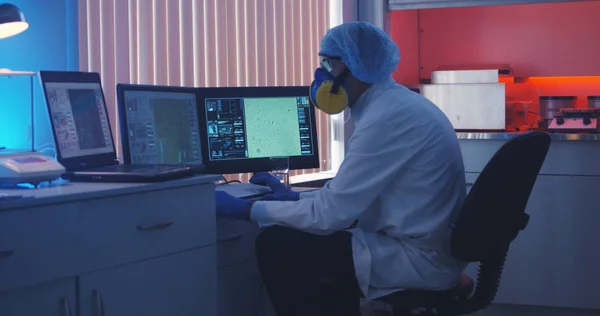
(572, 120)
(28, 167)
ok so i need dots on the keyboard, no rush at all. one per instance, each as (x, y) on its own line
(134, 168)
(244, 190)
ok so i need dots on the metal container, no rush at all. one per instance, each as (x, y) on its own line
(475, 106)
(550, 105)
(593, 101)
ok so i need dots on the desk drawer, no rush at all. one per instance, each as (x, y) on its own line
(128, 228)
(235, 241)
(37, 244)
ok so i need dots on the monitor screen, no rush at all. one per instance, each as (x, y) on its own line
(246, 126)
(241, 128)
(79, 118)
(160, 124)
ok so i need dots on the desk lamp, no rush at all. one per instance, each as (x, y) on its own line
(12, 22)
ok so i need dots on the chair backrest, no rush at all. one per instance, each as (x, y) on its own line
(494, 211)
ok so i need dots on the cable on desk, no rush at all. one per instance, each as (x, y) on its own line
(224, 181)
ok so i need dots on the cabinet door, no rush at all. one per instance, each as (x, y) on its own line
(130, 228)
(182, 284)
(48, 299)
(240, 290)
(235, 241)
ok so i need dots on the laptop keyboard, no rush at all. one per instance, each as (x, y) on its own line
(244, 190)
(134, 168)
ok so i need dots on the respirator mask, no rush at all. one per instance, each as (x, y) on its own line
(327, 92)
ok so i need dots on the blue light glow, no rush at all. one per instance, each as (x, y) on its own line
(50, 43)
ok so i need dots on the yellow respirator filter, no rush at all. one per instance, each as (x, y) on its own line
(330, 103)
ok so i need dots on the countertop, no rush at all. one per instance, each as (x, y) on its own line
(509, 135)
(62, 191)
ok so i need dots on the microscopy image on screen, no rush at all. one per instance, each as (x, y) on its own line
(87, 119)
(272, 127)
(173, 131)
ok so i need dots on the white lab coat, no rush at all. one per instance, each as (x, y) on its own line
(403, 179)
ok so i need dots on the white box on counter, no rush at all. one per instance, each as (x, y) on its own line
(464, 76)
(476, 106)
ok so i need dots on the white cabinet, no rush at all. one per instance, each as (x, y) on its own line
(235, 240)
(176, 285)
(241, 292)
(36, 245)
(127, 228)
(111, 249)
(48, 299)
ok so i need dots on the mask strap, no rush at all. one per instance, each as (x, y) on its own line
(337, 82)
(348, 118)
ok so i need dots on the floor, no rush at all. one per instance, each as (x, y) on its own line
(519, 310)
(511, 310)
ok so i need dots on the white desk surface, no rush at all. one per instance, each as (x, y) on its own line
(312, 177)
(63, 191)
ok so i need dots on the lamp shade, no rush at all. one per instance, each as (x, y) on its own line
(12, 20)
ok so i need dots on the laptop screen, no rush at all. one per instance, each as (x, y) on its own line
(161, 123)
(79, 118)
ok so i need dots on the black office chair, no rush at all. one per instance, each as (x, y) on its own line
(491, 218)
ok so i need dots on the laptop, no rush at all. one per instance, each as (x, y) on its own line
(160, 125)
(84, 143)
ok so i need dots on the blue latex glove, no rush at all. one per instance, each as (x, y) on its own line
(280, 191)
(231, 207)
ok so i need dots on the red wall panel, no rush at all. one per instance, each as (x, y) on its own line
(404, 30)
(556, 39)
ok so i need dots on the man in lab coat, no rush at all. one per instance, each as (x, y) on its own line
(383, 223)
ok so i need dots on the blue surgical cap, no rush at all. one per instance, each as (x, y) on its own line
(366, 49)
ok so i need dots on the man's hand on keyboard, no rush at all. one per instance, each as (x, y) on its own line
(280, 191)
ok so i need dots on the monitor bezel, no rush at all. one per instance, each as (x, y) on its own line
(250, 165)
(122, 110)
(78, 162)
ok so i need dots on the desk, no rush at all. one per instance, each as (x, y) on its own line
(110, 249)
(240, 288)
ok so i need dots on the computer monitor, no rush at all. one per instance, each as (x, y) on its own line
(159, 124)
(245, 126)
(78, 117)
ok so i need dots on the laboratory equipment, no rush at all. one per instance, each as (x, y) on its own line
(593, 101)
(550, 106)
(470, 106)
(17, 166)
(28, 167)
(13, 22)
(576, 120)
(160, 125)
(246, 126)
